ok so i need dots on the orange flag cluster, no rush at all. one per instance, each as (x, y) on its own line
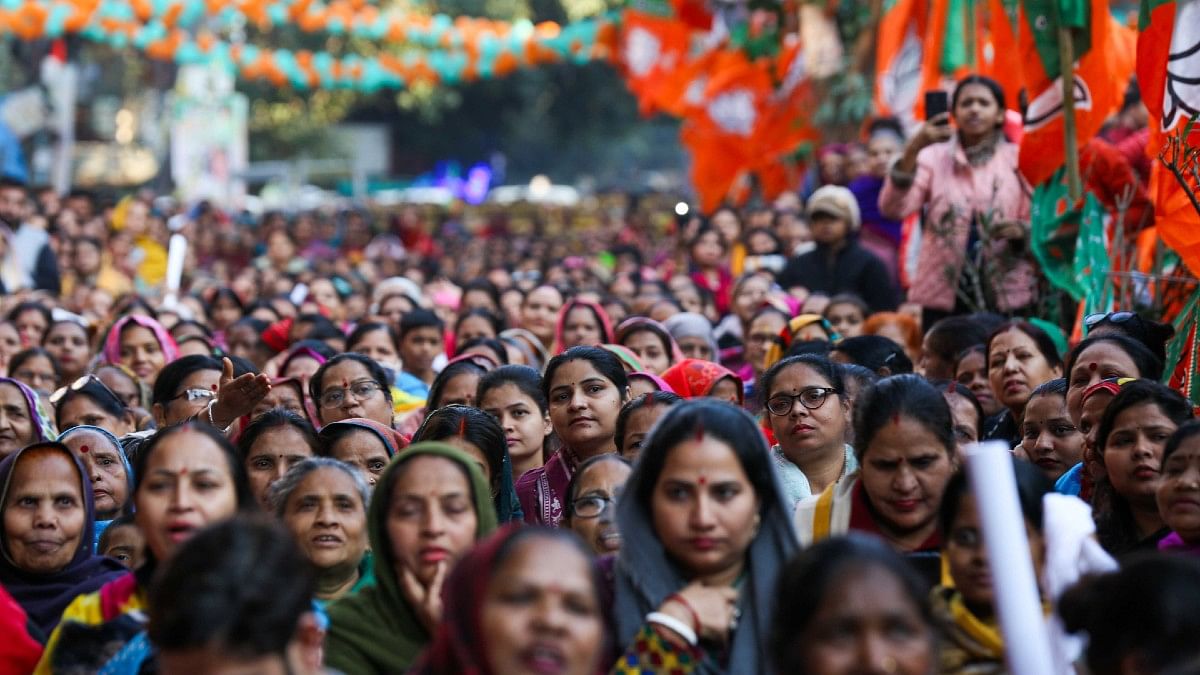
(922, 46)
(1168, 67)
(744, 119)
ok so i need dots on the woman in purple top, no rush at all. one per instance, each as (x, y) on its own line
(585, 387)
(879, 234)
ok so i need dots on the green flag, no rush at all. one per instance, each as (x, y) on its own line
(1071, 245)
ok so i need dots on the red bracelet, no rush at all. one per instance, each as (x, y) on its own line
(688, 606)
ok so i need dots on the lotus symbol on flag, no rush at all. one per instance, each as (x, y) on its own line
(641, 51)
(694, 94)
(1049, 104)
(1181, 96)
(734, 112)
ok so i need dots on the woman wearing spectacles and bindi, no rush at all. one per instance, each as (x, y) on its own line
(349, 386)
(810, 416)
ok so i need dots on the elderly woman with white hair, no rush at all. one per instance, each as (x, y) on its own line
(839, 263)
(323, 503)
(695, 336)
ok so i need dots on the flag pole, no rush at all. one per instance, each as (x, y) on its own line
(972, 37)
(1066, 59)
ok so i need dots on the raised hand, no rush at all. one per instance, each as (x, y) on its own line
(237, 396)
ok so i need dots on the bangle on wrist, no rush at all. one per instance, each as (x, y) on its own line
(674, 625)
(682, 601)
(210, 416)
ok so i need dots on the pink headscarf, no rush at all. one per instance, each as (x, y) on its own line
(606, 329)
(638, 323)
(112, 342)
(301, 351)
(662, 384)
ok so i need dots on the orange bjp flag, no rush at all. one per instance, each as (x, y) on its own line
(720, 132)
(898, 58)
(1104, 60)
(1168, 67)
(652, 48)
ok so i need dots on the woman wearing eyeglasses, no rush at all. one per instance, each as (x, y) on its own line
(592, 496)
(349, 386)
(88, 402)
(906, 454)
(203, 388)
(809, 416)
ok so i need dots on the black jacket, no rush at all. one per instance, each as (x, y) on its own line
(853, 269)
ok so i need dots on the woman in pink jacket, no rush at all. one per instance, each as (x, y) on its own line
(967, 181)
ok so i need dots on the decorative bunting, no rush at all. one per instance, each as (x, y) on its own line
(473, 54)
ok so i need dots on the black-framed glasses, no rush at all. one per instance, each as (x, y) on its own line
(811, 398)
(1092, 320)
(361, 391)
(82, 383)
(591, 506)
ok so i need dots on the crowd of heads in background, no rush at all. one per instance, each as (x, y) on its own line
(500, 441)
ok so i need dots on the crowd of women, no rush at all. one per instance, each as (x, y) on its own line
(713, 452)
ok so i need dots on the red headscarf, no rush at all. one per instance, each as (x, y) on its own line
(606, 329)
(459, 644)
(694, 378)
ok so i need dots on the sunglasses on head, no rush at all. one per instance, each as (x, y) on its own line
(1092, 320)
(80, 384)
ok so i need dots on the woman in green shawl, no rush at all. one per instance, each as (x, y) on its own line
(430, 505)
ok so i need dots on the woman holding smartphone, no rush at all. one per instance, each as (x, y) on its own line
(966, 177)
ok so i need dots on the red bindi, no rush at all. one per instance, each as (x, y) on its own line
(345, 384)
(1093, 366)
(183, 471)
(214, 387)
(84, 449)
(896, 420)
(702, 480)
